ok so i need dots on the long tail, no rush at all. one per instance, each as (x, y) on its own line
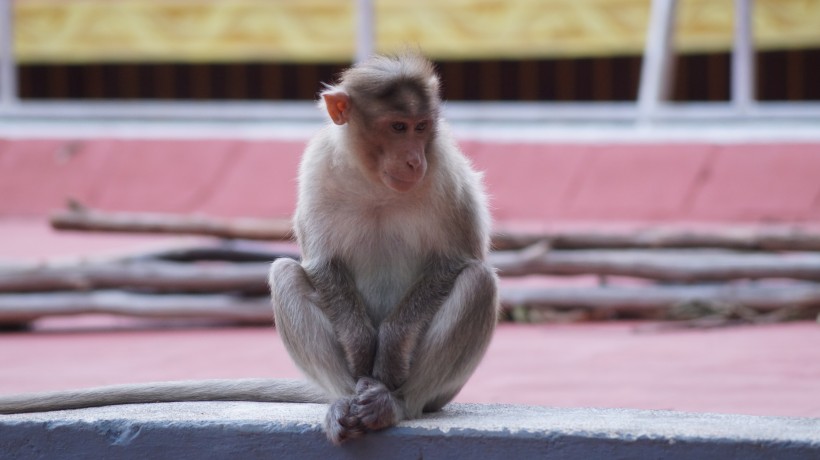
(257, 390)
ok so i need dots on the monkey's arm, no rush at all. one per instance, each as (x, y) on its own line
(342, 304)
(257, 390)
(400, 333)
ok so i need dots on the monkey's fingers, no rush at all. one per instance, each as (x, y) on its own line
(375, 406)
(341, 421)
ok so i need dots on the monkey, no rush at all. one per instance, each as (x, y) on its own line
(393, 224)
(393, 303)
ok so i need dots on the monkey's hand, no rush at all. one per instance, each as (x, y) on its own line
(342, 422)
(372, 408)
(375, 406)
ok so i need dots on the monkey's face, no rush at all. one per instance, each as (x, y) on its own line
(391, 124)
(401, 161)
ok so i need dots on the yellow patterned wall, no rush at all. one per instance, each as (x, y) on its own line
(324, 30)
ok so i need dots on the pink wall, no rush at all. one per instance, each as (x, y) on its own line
(547, 182)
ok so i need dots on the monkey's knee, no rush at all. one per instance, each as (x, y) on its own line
(289, 285)
(479, 281)
(475, 302)
(286, 274)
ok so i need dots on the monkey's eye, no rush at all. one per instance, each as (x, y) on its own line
(421, 126)
(399, 127)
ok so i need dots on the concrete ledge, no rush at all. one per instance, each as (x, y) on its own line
(258, 430)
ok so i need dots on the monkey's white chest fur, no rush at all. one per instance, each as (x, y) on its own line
(388, 260)
(385, 252)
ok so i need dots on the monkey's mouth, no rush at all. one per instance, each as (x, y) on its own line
(401, 184)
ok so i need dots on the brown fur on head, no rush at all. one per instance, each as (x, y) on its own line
(391, 105)
(393, 82)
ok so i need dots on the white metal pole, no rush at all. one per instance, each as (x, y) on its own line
(8, 69)
(365, 33)
(656, 70)
(743, 58)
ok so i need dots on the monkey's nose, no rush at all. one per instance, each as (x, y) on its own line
(414, 163)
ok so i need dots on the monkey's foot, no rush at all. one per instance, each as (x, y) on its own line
(375, 406)
(342, 422)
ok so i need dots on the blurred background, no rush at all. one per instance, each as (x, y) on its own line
(523, 50)
(667, 152)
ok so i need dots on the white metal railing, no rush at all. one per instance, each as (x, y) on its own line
(652, 104)
(656, 71)
(8, 69)
(743, 58)
(365, 32)
(659, 53)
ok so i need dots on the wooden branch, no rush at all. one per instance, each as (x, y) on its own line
(781, 238)
(150, 276)
(651, 301)
(771, 238)
(81, 218)
(684, 266)
(759, 296)
(230, 251)
(251, 277)
(21, 308)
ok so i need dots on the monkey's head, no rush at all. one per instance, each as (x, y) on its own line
(390, 106)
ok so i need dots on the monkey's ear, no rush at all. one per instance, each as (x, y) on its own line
(338, 106)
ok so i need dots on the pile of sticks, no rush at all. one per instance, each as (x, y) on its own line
(718, 275)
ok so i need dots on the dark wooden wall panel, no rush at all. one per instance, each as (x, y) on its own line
(781, 75)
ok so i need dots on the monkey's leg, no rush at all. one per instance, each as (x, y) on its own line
(306, 331)
(324, 342)
(455, 342)
(423, 365)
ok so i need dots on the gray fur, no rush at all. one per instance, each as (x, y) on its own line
(259, 390)
(393, 304)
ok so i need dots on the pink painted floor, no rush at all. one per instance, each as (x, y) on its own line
(761, 370)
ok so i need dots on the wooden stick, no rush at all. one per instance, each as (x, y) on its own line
(224, 251)
(772, 238)
(683, 266)
(250, 277)
(78, 217)
(148, 275)
(650, 301)
(759, 296)
(21, 308)
(781, 238)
